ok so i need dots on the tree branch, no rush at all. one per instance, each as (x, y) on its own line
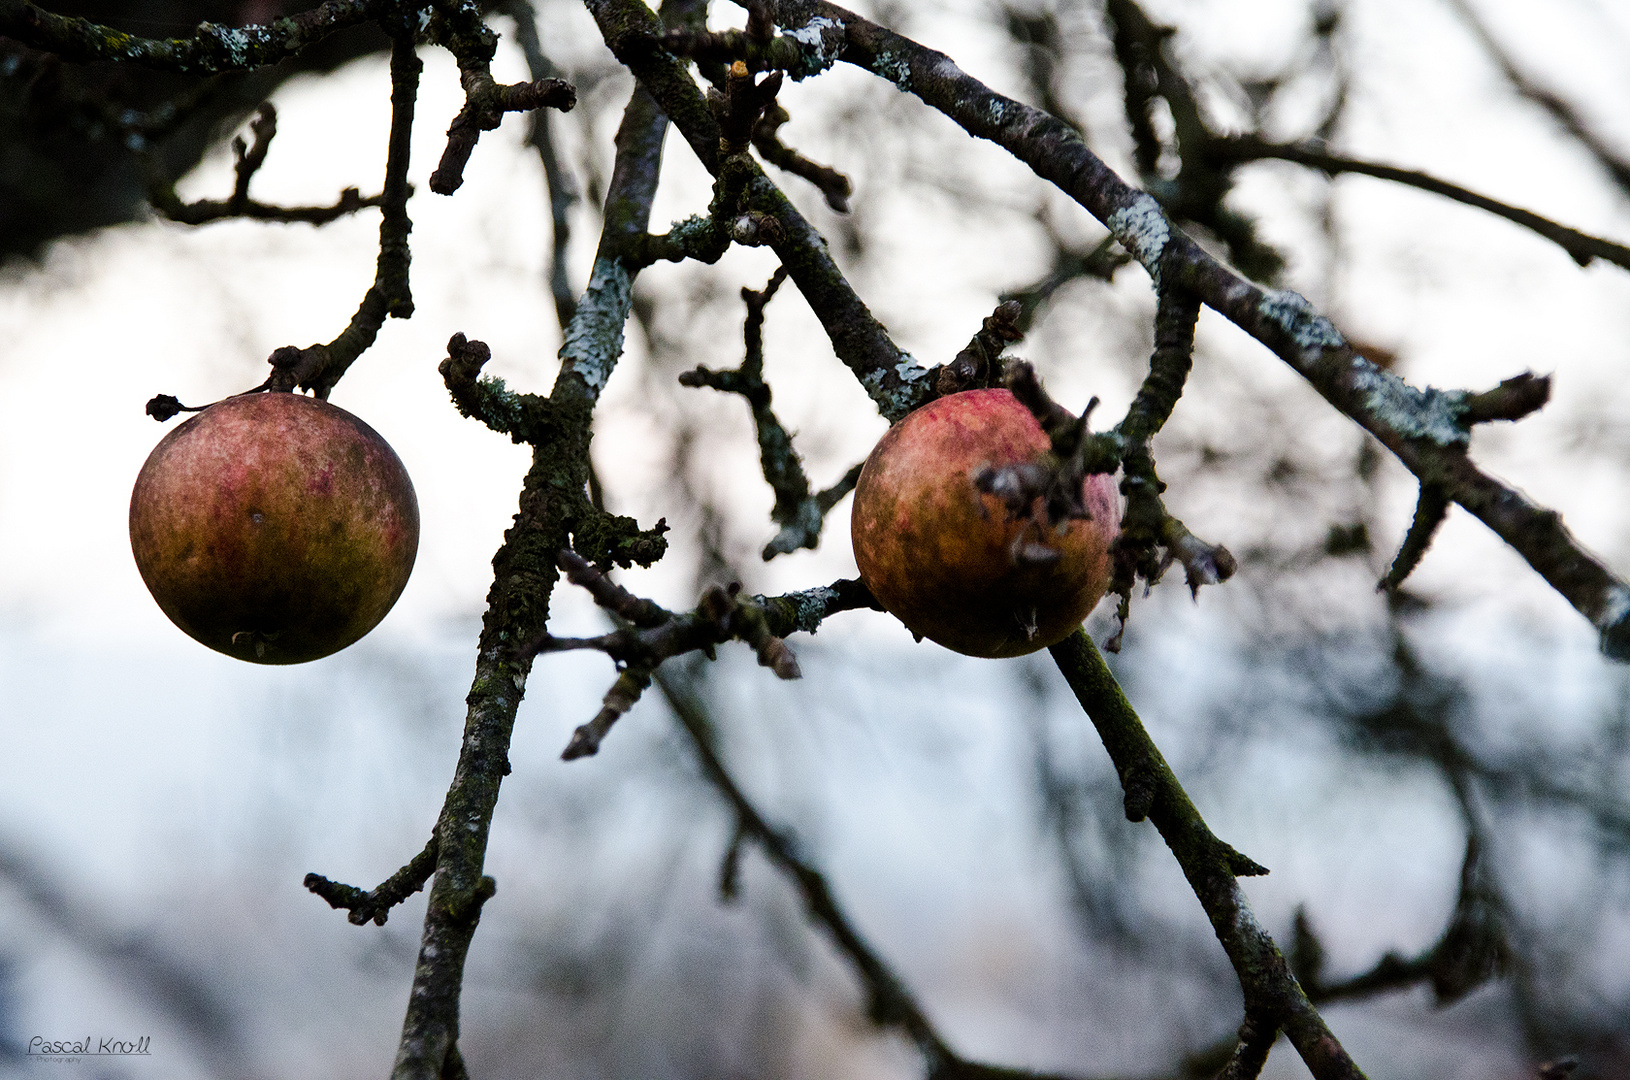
(557, 177)
(250, 157)
(318, 367)
(1272, 995)
(893, 378)
(374, 905)
(1581, 247)
(799, 512)
(1199, 190)
(552, 505)
(485, 100)
(1430, 511)
(1426, 430)
(648, 634)
(834, 186)
(210, 50)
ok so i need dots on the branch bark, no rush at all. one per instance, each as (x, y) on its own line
(210, 50)
(524, 576)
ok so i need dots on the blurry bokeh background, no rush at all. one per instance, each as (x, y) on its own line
(160, 804)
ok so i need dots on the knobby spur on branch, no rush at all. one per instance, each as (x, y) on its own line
(1058, 513)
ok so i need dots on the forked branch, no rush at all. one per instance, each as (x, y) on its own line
(799, 512)
(373, 905)
(250, 156)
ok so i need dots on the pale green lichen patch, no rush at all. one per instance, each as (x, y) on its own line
(594, 338)
(692, 229)
(809, 607)
(1142, 229)
(895, 402)
(893, 67)
(501, 408)
(814, 55)
(236, 42)
(1430, 414)
(1300, 321)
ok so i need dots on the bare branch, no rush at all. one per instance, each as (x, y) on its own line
(1581, 247)
(211, 49)
(250, 157)
(1430, 511)
(1199, 190)
(893, 379)
(1273, 998)
(558, 178)
(834, 186)
(800, 513)
(318, 367)
(374, 905)
(585, 741)
(485, 103)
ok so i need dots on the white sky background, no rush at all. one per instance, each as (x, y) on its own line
(134, 763)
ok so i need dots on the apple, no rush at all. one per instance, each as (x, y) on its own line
(952, 562)
(274, 527)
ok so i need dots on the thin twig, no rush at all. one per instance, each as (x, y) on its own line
(892, 377)
(834, 186)
(1199, 191)
(1430, 511)
(250, 157)
(563, 193)
(318, 367)
(375, 904)
(1581, 247)
(799, 512)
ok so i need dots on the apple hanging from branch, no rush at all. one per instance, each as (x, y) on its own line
(274, 527)
(950, 558)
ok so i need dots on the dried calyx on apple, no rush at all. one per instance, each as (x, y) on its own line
(958, 536)
(274, 527)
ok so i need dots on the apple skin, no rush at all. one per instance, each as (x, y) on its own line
(936, 552)
(274, 527)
